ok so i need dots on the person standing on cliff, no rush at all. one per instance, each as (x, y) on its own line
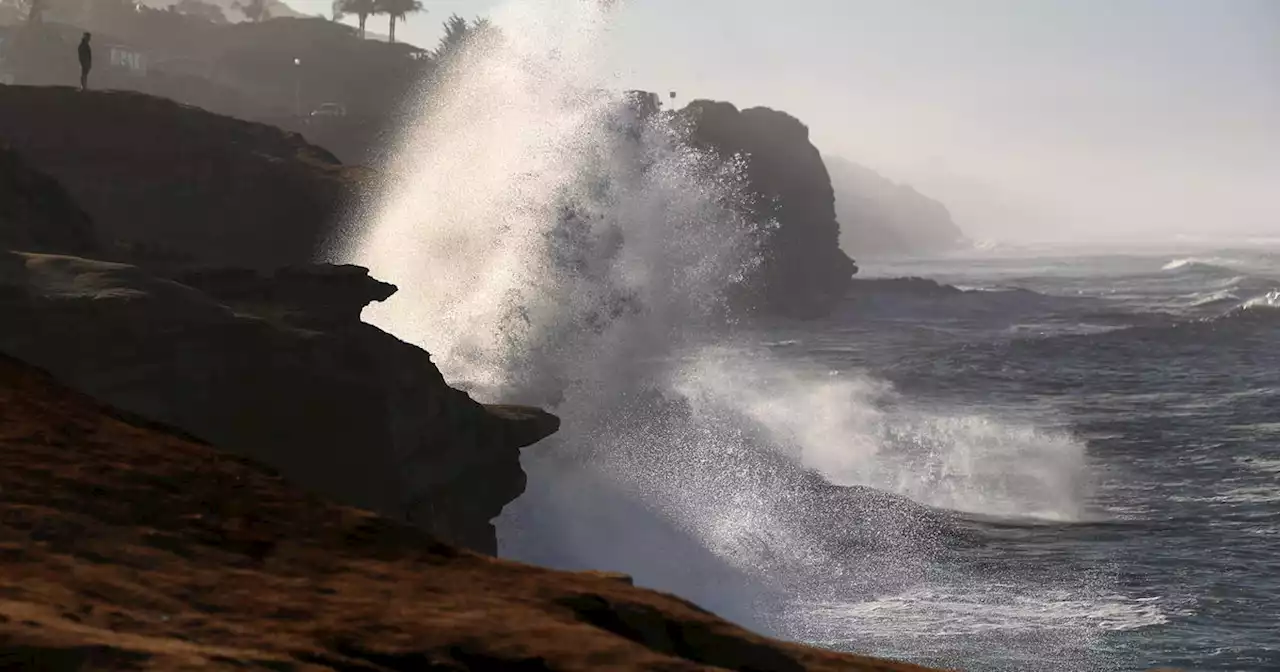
(86, 61)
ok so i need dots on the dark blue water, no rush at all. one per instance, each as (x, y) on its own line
(1164, 372)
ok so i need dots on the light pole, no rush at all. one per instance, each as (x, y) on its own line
(297, 87)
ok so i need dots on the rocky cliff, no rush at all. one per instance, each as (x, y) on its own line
(126, 546)
(881, 218)
(275, 363)
(804, 272)
(281, 368)
(157, 177)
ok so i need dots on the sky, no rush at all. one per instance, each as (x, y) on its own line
(1030, 119)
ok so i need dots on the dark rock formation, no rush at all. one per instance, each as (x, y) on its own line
(126, 546)
(804, 272)
(280, 368)
(274, 362)
(157, 176)
(912, 287)
(881, 218)
(315, 296)
(37, 214)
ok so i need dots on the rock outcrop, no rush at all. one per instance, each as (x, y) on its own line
(157, 176)
(804, 272)
(881, 218)
(124, 545)
(274, 362)
(279, 367)
(37, 214)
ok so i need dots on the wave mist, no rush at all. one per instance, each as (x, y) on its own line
(551, 249)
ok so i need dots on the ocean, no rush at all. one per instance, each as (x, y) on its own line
(1164, 370)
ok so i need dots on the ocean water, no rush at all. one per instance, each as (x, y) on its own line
(1164, 368)
(1069, 465)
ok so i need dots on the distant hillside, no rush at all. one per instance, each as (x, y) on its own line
(879, 217)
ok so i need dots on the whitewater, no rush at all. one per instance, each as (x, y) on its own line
(831, 482)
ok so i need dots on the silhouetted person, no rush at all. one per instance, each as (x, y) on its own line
(86, 61)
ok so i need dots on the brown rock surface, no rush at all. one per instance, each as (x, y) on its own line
(125, 546)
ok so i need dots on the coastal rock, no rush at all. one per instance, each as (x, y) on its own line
(161, 179)
(317, 295)
(804, 272)
(881, 218)
(37, 214)
(912, 287)
(279, 367)
(127, 546)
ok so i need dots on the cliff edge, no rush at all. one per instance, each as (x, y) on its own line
(159, 178)
(276, 364)
(127, 546)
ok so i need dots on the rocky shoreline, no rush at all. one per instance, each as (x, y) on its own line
(182, 398)
(209, 461)
(125, 545)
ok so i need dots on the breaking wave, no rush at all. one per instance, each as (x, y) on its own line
(552, 249)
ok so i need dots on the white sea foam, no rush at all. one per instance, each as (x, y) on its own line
(674, 446)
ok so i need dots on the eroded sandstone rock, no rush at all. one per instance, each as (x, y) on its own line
(279, 367)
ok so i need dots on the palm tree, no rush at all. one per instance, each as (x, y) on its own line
(361, 8)
(398, 10)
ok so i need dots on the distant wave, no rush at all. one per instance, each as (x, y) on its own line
(1221, 297)
(1264, 309)
(1232, 319)
(1259, 309)
(1270, 300)
(1181, 263)
(1214, 265)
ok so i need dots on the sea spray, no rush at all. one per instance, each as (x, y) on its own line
(856, 430)
(544, 256)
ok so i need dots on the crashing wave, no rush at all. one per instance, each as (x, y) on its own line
(699, 468)
(1204, 266)
(1269, 300)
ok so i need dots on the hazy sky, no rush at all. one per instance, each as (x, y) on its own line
(1030, 118)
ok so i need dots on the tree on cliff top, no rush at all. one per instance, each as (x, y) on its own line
(361, 8)
(398, 10)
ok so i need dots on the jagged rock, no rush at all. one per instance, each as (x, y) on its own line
(314, 295)
(157, 176)
(126, 546)
(37, 214)
(804, 273)
(280, 368)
